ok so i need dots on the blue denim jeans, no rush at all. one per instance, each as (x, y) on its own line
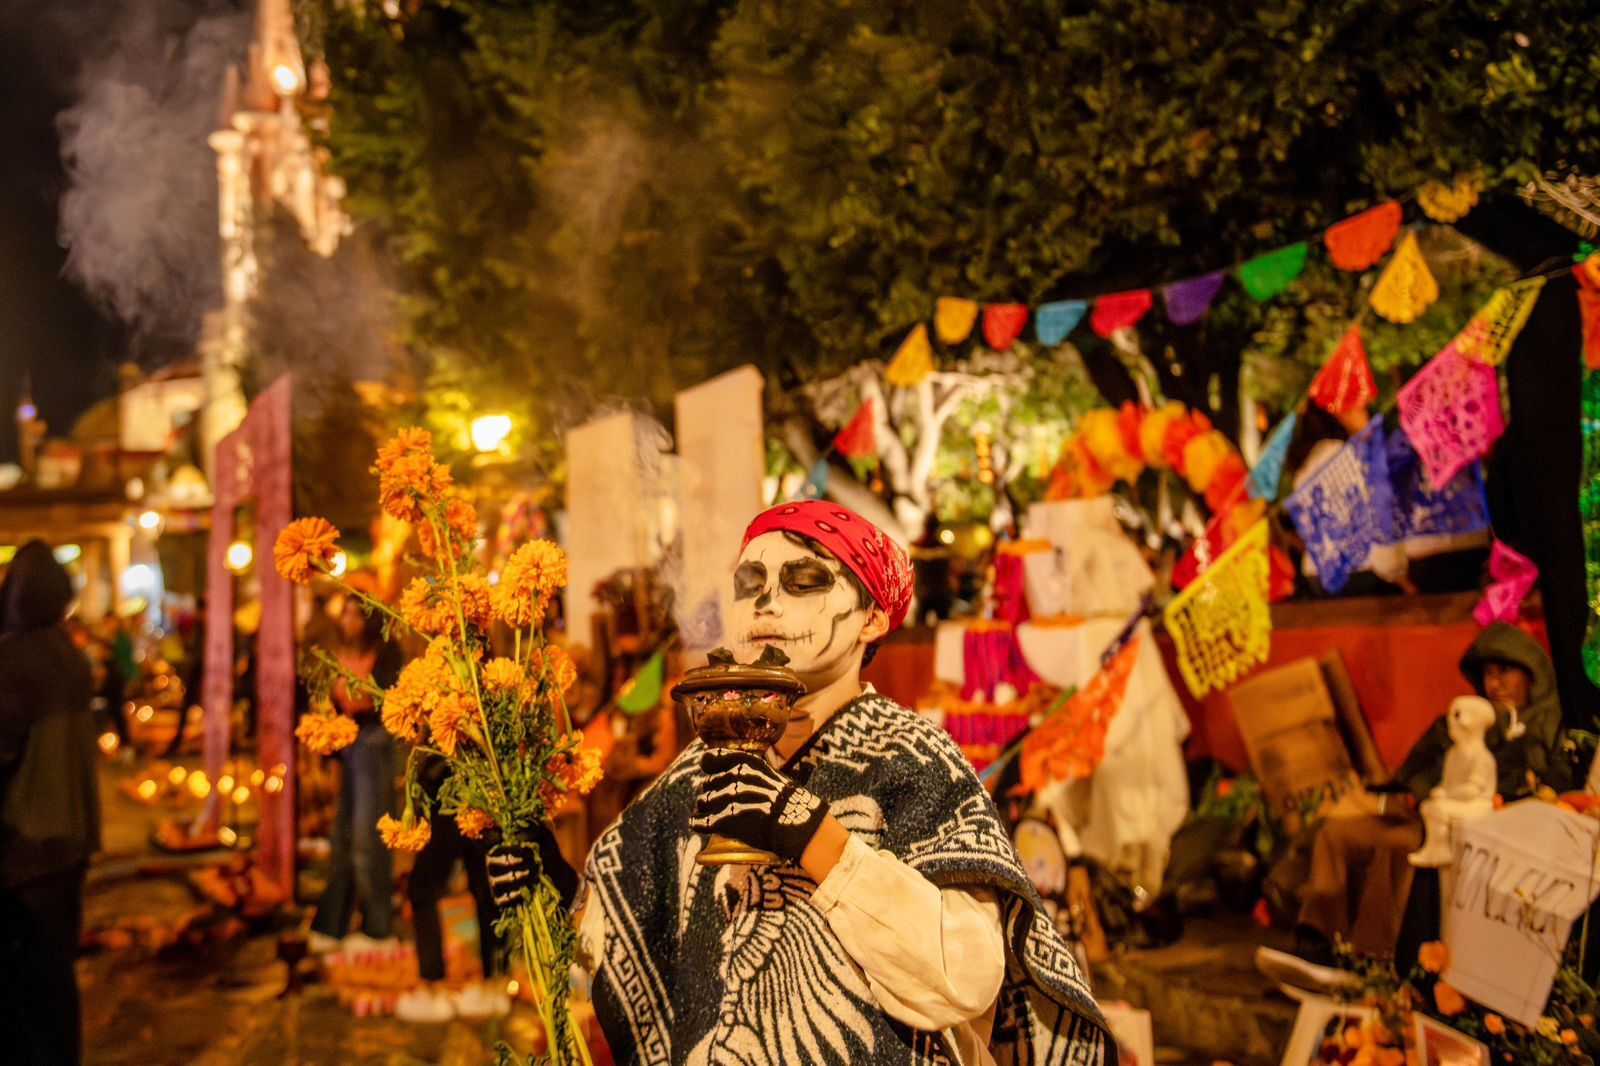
(362, 870)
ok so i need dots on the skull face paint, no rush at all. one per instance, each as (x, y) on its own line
(790, 597)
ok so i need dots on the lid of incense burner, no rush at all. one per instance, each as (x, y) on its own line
(779, 679)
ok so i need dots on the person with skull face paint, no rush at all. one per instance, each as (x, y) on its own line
(900, 928)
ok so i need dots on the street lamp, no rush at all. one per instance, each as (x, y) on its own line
(149, 520)
(489, 432)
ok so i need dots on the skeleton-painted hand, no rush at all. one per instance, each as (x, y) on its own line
(514, 867)
(742, 797)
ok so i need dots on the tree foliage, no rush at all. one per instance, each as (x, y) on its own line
(629, 195)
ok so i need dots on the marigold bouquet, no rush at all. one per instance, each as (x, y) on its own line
(500, 720)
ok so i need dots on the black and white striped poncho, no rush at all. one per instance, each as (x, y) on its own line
(708, 965)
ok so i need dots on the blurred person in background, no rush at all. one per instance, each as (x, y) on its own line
(362, 870)
(49, 809)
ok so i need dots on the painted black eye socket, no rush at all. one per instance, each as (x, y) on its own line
(748, 581)
(806, 577)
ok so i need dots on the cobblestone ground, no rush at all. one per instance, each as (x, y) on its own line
(220, 1004)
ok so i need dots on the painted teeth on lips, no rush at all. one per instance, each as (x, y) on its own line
(776, 638)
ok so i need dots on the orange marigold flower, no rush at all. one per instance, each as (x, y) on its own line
(475, 597)
(573, 772)
(399, 836)
(1434, 956)
(529, 579)
(409, 476)
(450, 721)
(554, 666)
(1495, 1024)
(1569, 1038)
(461, 529)
(473, 823)
(501, 675)
(425, 609)
(1448, 1000)
(326, 733)
(304, 547)
(402, 714)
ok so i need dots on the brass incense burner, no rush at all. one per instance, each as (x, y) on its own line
(743, 707)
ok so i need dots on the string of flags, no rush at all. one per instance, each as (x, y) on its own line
(1358, 243)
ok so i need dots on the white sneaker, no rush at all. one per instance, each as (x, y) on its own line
(362, 944)
(483, 1000)
(1284, 968)
(321, 943)
(424, 1006)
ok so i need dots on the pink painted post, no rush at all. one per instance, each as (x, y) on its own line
(253, 463)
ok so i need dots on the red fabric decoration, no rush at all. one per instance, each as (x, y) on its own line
(1361, 240)
(1588, 275)
(866, 550)
(1119, 309)
(856, 439)
(1002, 324)
(1345, 383)
(1130, 416)
(1227, 483)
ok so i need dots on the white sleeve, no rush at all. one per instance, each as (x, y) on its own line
(934, 958)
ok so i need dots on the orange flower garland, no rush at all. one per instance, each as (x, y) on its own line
(304, 547)
(1434, 956)
(1448, 1000)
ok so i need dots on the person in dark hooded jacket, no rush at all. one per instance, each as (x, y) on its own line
(1360, 876)
(49, 809)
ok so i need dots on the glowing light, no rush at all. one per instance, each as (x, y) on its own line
(225, 782)
(257, 777)
(512, 988)
(274, 784)
(148, 789)
(27, 412)
(489, 432)
(241, 794)
(145, 713)
(109, 742)
(150, 520)
(227, 836)
(198, 785)
(947, 536)
(338, 564)
(285, 78)
(67, 553)
(139, 575)
(240, 556)
(280, 770)
(177, 774)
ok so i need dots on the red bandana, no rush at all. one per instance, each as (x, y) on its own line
(879, 562)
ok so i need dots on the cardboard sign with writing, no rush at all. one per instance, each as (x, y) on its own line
(1291, 733)
(1523, 875)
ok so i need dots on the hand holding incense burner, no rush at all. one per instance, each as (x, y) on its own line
(745, 708)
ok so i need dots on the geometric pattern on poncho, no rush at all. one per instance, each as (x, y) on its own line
(1344, 509)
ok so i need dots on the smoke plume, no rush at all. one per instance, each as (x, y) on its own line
(139, 216)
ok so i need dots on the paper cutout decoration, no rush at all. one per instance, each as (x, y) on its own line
(644, 691)
(991, 657)
(1451, 411)
(953, 318)
(1420, 510)
(1446, 203)
(1514, 576)
(1361, 240)
(1070, 744)
(1267, 275)
(1191, 298)
(1119, 310)
(1588, 275)
(1221, 625)
(913, 360)
(1002, 324)
(857, 440)
(1344, 509)
(816, 486)
(1269, 467)
(1344, 383)
(1488, 336)
(1589, 516)
(1406, 288)
(1053, 321)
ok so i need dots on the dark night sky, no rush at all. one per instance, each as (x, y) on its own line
(49, 330)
